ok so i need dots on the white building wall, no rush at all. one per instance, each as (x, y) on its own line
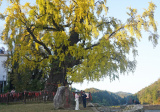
(3, 71)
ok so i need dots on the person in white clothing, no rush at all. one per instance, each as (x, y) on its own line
(77, 101)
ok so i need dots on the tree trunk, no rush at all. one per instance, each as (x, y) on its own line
(56, 77)
(58, 74)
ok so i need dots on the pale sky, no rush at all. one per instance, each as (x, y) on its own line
(148, 60)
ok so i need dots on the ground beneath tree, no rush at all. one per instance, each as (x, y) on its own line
(48, 107)
(38, 107)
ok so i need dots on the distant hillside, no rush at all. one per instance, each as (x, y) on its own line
(123, 94)
(105, 97)
(92, 90)
(150, 94)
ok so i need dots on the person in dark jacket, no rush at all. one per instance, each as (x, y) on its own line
(84, 99)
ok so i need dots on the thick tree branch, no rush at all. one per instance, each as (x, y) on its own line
(34, 38)
(37, 41)
(59, 28)
(112, 34)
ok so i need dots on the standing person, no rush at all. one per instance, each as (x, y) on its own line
(13, 94)
(13, 91)
(77, 101)
(84, 99)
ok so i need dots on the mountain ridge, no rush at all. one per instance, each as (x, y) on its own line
(106, 98)
(147, 95)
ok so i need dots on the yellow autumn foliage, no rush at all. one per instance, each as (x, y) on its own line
(76, 34)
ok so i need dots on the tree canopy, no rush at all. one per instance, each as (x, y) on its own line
(74, 39)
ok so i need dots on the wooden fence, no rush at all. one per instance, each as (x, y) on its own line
(33, 96)
(27, 96)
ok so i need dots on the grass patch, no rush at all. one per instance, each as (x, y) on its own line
(37, 107)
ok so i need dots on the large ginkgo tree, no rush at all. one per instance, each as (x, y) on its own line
(74, 40)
